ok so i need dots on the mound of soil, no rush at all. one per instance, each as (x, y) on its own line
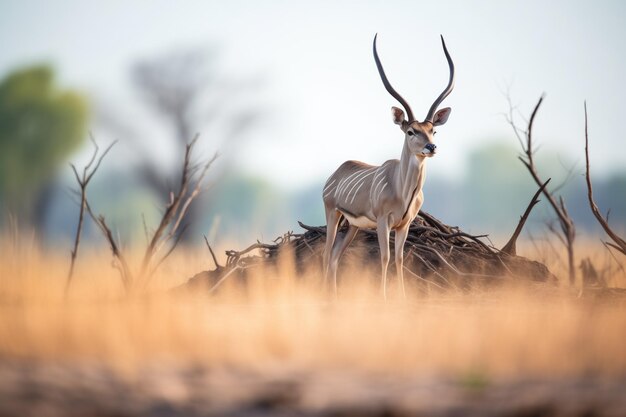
(435, 255)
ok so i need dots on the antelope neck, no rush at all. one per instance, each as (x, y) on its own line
(411, 173)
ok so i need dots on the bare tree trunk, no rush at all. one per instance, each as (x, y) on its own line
(618, 242)
(567, 232)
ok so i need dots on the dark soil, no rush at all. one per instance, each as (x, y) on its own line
(436, 255)
(28, 389)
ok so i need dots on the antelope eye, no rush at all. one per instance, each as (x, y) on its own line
(410, 133)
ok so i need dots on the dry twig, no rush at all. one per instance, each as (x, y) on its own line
(510, 248)
(122, 264)
(170, 229)
(435, 254)
(83, 181)
(567, 229)
(217, 265)
(618, 243)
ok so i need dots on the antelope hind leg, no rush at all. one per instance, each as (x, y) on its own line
(338, 250)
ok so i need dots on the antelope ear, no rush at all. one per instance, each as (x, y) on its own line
(441, 116)
(397, 115)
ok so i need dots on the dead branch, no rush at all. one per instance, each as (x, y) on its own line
(217, 265)
(619, 264)
(510, 247)
(83, 181)
(567, 228)
(435, 254)
(197, 189)
(222, 279)
(169, 229)
(169, 251)
(618, 243)
(124, 268)
(172, 207)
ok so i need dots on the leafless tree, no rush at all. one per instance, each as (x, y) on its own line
(83, 181)
(511, 246)
(567, 230)
(184, 90)
(618, 242)
(167, 235)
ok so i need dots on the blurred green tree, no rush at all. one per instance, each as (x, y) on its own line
(40, 125)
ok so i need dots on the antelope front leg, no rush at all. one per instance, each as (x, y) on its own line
(400, 238)
(383, 242)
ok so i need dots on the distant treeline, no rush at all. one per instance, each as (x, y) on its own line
(489, 198)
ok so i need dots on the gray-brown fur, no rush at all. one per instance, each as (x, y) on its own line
(367, 192)
(385, 197)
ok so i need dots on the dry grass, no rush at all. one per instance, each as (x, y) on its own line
(283, 321)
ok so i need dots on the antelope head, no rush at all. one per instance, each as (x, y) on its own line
(418, 136)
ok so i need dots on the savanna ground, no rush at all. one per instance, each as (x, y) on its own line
(282, 346)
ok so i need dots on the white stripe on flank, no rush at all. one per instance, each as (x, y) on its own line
(344, 183)
(380, 170)
(379, 174)
(329, 184)
(381, 191)
(354, 182)
(359, 183)
(356, 192)
(378, 184)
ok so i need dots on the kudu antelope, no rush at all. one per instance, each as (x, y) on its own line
(385, 197)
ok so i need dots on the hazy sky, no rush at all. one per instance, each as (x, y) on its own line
(325, 100)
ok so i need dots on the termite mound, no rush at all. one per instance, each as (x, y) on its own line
(436, 256)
